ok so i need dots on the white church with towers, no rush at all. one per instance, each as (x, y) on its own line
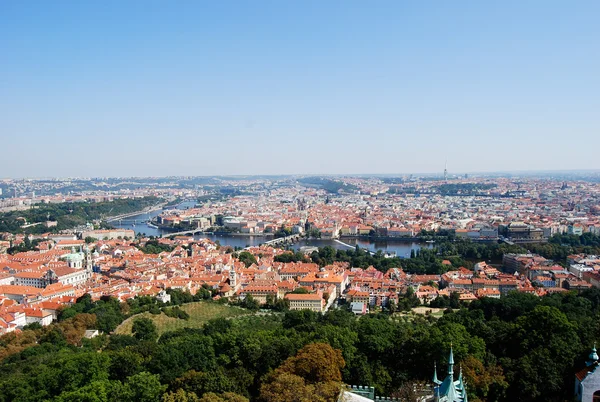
(75, 269)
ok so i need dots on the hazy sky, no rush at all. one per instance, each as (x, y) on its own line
(107, 88)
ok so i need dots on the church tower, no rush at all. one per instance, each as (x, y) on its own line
(88, 262)
(449, 390)
(232, 278)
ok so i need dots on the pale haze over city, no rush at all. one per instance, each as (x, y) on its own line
(297, 87)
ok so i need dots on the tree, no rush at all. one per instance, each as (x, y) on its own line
(546, 347)
(312, 375)
(144, 329)
(315, 362)
(270, 301)
(282, 305)
(180, 396)
(96, 391)
(454, 300)
(410, 391)
(142, 387)
(224, 397)
(32, 326)
(203, 382)
(287, 387)
(247, 258)
(108, 313)
(485, 383)
(250, 303)
(392, 306)
(124, 363)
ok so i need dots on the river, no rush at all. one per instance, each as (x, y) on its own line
(402, 248)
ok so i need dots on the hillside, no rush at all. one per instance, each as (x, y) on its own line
(200, 313)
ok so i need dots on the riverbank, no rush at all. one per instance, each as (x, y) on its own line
(146, 210)
(400, 246)
(375, 238)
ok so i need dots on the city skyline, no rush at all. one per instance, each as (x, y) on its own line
(440, 174)
(236, 88)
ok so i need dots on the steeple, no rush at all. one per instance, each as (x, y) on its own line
(451, 362)
(435, 377)
(462, 387)
(450, 390)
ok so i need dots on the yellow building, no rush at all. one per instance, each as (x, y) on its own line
(312, 301)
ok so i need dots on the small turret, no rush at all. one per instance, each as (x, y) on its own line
(593, 357)
(435, 377)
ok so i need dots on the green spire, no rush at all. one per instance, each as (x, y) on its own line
(435, 377)
(593, 357)
(451, 362)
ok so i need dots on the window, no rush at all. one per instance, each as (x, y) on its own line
(596, 396)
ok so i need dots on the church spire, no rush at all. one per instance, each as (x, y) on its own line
(435, 377)
(451, 362)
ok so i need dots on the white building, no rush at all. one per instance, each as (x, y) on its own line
(163, 296)
(587, 381)
(579, 269)
(39, 316)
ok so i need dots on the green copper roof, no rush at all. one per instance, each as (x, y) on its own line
(593, 357)
(435, 377)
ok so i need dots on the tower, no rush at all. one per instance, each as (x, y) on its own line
(446, 171)
(88, 262)
(451, 364)
(232, 278)
(435, 376)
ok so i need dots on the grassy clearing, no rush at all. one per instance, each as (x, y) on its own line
(420, 311)
(436, 312)
(200, 313)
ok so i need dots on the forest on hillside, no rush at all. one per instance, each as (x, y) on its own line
(520, 347)
(69, 214)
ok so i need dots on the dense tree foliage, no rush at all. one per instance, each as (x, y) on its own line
(329, 185)
(292, 257)
(144, 329)
(313, 375)
(70, 214)
(447, 189)
(26, 245)
(520, 347)
(247, 258)
(154, 247)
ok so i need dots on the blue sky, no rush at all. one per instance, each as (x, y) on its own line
(119, 88)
